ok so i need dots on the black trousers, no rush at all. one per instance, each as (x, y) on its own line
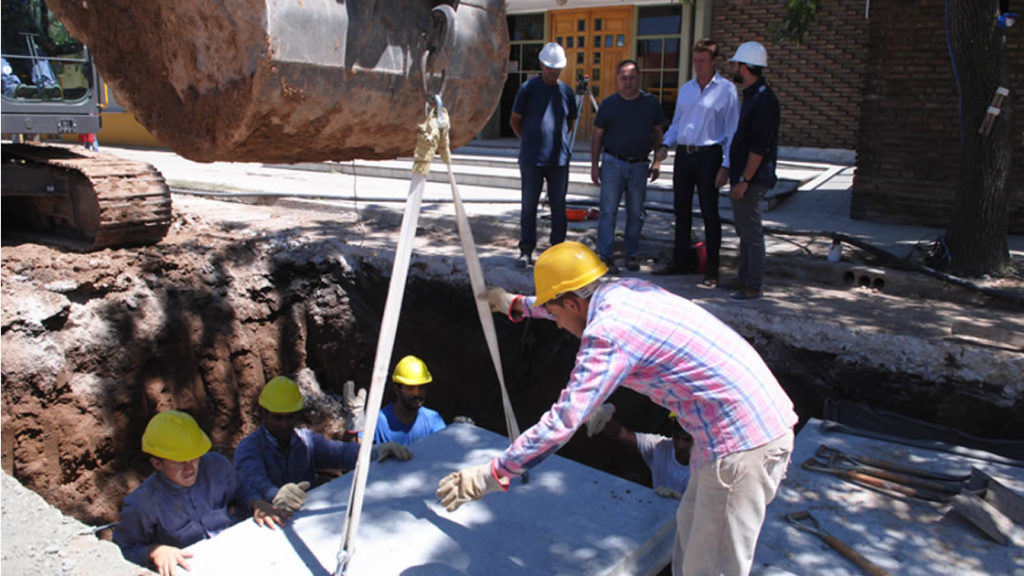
(697, 170)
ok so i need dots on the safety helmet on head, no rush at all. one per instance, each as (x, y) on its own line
(751, 54)
(174, 435)
(281, 395)
(411, 371)
(552, 56)
(565, 267)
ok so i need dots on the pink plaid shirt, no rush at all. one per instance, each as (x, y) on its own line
(643, 337)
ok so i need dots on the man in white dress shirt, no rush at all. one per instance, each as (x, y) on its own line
(707, 112)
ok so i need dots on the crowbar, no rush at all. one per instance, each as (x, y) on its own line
(870, 478)
(804, 521)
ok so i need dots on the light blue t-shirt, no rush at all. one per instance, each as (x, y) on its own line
(391, 429)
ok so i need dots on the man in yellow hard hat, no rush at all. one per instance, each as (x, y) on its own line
(406, 420)
(637, 335)
(278, 462)
(184, 501)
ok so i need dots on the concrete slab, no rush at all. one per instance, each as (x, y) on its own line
(902, 536)
(569, 519)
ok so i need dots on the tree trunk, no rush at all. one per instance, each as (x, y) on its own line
(977, 231)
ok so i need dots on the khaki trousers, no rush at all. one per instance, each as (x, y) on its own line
(723, 508)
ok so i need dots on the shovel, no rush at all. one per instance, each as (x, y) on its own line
(804, 521)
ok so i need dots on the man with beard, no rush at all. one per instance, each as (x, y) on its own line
(406, 420)
(754, 149)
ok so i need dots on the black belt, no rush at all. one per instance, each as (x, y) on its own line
(684, 149)
(629, 159)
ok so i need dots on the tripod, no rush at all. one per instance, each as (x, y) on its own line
(582, 90)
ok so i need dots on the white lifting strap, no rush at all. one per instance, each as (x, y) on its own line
(432, 135)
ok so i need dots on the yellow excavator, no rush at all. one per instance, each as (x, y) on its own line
(280, 81)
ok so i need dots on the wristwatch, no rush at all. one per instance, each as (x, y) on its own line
(742, 179)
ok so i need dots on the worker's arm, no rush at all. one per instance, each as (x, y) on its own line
(252, 471)
(515, 306)
(657, 136)
(595, 155)
(739, 189)
(516, 122)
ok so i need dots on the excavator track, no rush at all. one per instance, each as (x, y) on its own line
(84, 200)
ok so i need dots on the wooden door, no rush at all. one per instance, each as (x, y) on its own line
(595, 41)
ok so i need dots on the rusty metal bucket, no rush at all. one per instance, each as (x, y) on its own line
(295, 80)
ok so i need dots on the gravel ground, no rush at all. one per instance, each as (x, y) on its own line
(38, 539)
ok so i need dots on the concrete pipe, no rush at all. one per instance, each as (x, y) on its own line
(295, 80)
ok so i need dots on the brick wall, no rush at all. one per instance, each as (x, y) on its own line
(908, 148)
(883, 87)
(819, 84)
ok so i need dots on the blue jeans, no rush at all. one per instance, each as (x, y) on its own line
(532, 178)
(746, 214)
(618, 176)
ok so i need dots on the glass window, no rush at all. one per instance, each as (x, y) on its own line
(608, 41)
(671, 54)
(620, 41)
(559, 40)
(579, 58)
(597, 24)
(597, 57)
(580, 41)
(660, 20)
(531, 57)
(649, 53)
(595, 74)
(522, 27)
(581, 25)
(597, 41)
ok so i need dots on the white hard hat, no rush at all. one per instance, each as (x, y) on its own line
(751, 54)
(552, 56)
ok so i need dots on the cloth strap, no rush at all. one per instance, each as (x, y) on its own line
(432, 137)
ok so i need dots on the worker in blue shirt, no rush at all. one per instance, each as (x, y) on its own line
(184, 501)
(406, 420)
(278, 462)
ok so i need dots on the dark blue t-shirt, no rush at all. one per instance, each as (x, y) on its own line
(547, 112)
(628, 124)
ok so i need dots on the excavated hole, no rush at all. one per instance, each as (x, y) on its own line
(211, 355)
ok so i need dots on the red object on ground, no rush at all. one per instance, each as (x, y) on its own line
(702, 256)
(576, 214)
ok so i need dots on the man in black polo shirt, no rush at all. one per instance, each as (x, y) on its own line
(752, 156)
(629, 124)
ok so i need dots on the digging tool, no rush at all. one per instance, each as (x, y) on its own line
(833, 455)
(804, 521)
(992, 507)
(869, 477)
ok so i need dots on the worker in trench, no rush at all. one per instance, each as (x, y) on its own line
(193, 494)
(667, 457)
(635, 334)
(406, 420)
(278, 462)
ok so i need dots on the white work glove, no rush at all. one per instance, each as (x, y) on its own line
(467, 484)
(666, 492)
(599, 419)
(291, 496)
(355, 407)
(500, 300)
(390, 450)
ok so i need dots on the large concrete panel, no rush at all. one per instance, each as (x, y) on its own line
(568, 520)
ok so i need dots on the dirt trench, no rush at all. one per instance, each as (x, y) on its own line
(94, 344)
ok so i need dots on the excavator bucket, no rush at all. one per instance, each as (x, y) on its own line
(296, 80)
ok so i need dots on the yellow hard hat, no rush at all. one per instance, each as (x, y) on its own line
(565, 267)
(281, 395)
(174, 435)
(411, 371)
